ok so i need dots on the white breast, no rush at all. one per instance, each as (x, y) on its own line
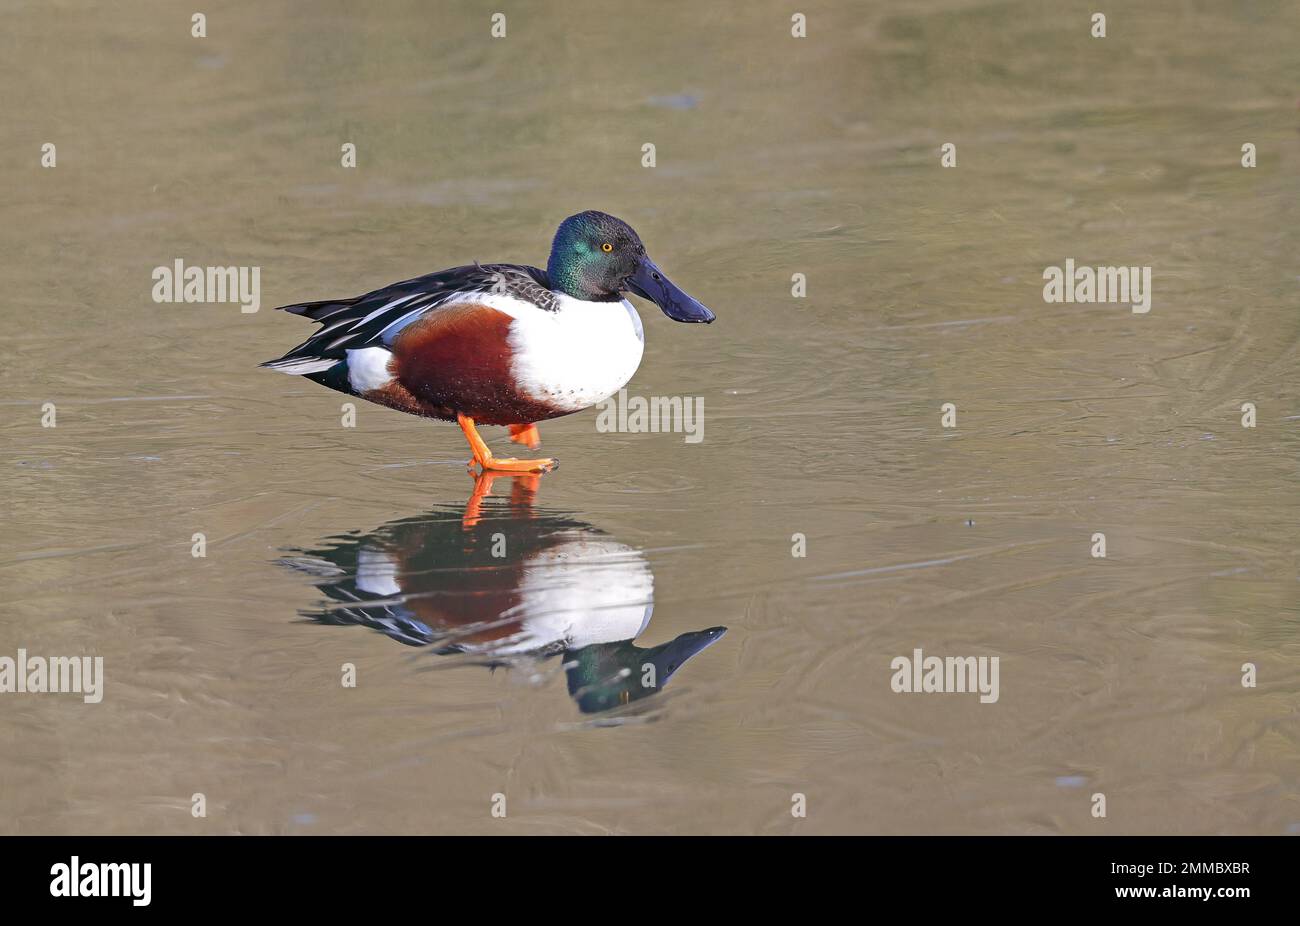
(574, 357)
(582, 591)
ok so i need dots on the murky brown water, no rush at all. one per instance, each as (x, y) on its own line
(775, 156)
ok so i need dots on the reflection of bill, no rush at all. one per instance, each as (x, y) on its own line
(502, 584)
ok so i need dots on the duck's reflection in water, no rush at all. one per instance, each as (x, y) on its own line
(504, 584)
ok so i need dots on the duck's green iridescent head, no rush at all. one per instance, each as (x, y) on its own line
(597, 257)
(603, 676)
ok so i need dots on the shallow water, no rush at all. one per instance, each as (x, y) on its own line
(328, 545)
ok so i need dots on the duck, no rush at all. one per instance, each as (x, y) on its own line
(497, 344)
(564, 588)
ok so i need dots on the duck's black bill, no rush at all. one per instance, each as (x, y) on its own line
(669, 657)
(650, 283)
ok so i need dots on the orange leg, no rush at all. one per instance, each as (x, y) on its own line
(523, 492)
(483, 456)
(525, 434)
(474, 507)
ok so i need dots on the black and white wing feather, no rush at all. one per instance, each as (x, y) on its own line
(376, 318)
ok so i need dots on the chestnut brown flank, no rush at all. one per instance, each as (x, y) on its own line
(457, 360)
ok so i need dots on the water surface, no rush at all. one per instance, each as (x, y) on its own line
(775, 156)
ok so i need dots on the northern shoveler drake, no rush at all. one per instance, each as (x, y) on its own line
(502, 344)
(565, 588)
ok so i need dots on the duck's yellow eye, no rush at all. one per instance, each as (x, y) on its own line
(607, 247)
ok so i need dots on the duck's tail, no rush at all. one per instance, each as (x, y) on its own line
(301, 361)
(319, 311)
